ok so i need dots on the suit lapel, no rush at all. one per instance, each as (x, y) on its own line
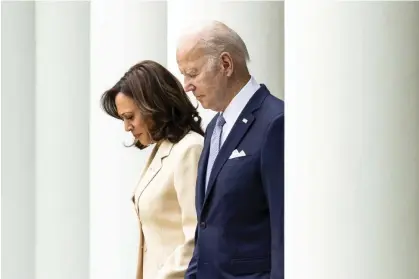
(236, 134)
(202, 167)
(154, 165)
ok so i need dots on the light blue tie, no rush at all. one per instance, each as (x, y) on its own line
(215, 146)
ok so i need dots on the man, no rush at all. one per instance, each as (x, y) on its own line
(240, 184)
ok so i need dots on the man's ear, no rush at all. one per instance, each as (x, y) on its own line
(227, 63)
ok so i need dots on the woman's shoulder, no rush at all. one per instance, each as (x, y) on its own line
(191, 140)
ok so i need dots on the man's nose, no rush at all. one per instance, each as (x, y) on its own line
(188, 87)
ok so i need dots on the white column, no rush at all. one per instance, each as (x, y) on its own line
(259, 23)
(122, 34)
(352, 134)
(62, 140)
(17, 140)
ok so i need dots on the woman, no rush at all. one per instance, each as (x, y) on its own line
(155, 109)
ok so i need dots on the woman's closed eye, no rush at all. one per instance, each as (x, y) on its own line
(127, 117)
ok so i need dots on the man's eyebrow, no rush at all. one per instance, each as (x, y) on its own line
(191, 71)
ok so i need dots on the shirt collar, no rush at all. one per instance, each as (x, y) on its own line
(236, 106)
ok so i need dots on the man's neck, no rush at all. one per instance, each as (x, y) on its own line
(234, 88)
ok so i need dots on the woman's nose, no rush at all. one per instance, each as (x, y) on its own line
(127, 126)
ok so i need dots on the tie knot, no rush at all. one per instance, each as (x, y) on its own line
(220, 121)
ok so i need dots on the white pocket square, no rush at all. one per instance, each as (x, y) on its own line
(236, 154)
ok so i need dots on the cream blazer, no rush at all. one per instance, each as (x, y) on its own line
(164, 201)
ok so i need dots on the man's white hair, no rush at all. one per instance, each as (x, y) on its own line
(215, 37)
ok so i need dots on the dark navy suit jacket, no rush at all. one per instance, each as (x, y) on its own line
(240, 232)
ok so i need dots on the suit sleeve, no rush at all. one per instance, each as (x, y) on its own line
(185, 177)
(272, 170)
(191, 271)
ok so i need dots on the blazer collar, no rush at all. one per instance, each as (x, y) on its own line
(153, 166)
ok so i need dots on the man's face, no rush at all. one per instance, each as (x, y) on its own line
(202, 76)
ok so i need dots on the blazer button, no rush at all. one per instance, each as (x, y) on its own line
(203, 225)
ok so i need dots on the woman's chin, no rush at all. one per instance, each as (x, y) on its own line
(143, 142)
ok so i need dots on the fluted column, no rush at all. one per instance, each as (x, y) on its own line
(122, 34)
(62, 140)
(259, 23)
(352, 134)
(17, 140)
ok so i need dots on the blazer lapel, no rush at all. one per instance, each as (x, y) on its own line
(238, 131)
(163, 150)
(147, 164)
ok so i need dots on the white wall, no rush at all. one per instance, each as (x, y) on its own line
(62, 140)
(18, 140)
(352, 134)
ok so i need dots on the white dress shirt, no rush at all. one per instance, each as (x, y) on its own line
(236, 106)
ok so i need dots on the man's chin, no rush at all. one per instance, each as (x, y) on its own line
(203, 104)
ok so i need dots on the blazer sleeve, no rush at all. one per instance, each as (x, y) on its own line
(272, 170)
(185, 176)
(140, 253)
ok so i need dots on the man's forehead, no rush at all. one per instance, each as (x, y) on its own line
(190, 59)
(186, 50)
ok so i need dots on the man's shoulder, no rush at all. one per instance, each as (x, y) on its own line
(272, 105)
(271, 109)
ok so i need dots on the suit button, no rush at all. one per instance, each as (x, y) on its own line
(203, 225)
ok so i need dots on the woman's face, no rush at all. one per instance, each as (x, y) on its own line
(133, 121)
